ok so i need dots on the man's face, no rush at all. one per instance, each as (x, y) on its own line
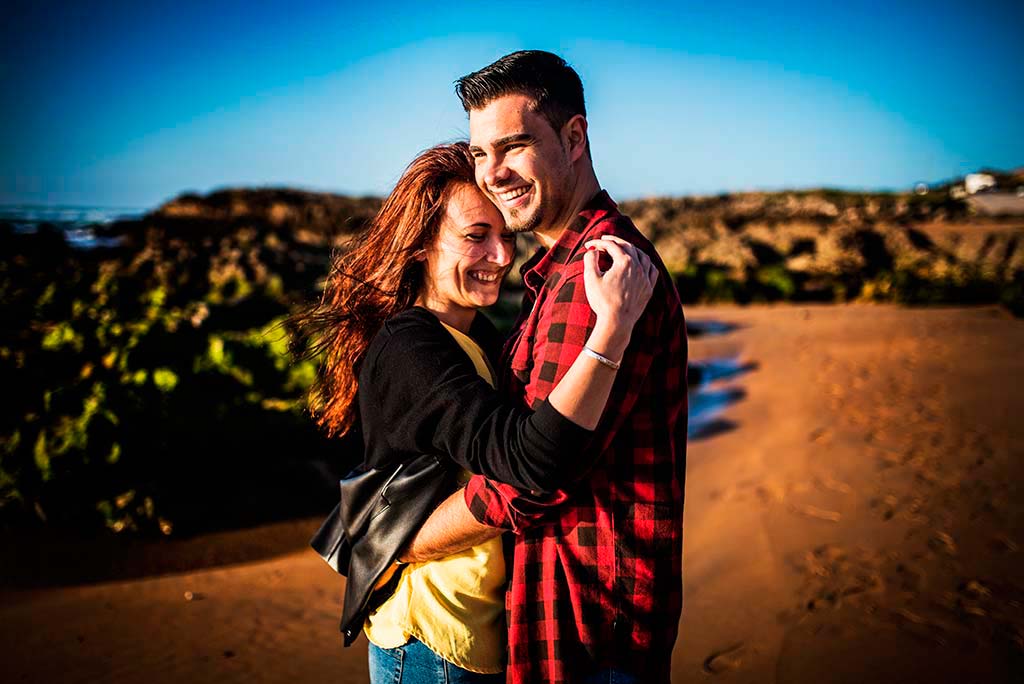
(521, 163)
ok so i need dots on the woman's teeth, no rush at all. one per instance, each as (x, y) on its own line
(485, 277)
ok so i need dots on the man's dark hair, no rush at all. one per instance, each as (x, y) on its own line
(553, 85)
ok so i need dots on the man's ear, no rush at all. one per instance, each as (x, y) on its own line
(574, 137)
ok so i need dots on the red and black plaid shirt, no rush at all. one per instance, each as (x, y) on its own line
(596, 580)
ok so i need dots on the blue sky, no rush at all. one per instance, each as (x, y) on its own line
(129, 104)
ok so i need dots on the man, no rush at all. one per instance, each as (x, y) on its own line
(596, 580)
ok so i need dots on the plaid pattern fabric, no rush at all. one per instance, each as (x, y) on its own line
(596, 580)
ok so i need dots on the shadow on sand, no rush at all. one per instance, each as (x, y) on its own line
(708, 327)
(708, 397)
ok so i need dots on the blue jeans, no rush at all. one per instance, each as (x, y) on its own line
(414, 663)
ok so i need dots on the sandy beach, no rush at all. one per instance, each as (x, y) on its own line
(853, 514)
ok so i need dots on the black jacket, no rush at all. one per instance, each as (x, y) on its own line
(424, 412)
(379, 511)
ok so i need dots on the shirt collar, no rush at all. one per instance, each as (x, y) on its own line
(536, 271)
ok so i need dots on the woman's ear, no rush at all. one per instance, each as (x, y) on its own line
(420, 255)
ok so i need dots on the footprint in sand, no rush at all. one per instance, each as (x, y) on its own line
(907, 577)
(832, 574)
(942, 542)
(808, 511)
(828, 483)
(1002, 543)
(909, 507)
(725, 659)
(821, 435)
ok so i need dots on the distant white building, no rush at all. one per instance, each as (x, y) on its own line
(976, 182)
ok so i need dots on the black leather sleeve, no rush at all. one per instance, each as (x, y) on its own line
(419, 393)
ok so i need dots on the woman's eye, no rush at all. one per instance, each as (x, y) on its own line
(509, 238)
(475, 237)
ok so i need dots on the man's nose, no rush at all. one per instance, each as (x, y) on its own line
(495, 172)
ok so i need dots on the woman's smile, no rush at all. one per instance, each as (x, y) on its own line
(468, 260)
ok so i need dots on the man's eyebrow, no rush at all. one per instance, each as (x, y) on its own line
(507, 140)
(514, 138)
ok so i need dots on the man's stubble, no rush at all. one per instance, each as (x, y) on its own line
(549, 211)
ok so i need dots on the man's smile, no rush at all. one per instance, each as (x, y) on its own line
(513, 197)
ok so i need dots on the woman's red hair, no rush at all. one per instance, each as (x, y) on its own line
(377, 279)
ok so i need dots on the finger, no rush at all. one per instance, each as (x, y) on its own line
(590, 263)
(598, 245)
(604, 261)
(616, 238)
(611, 242)
(642, 259)
(604, 240)
(652, 273)
(612, 249)
(626, 245)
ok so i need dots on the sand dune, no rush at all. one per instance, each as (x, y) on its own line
(854, 513)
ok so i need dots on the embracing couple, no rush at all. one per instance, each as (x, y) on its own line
(571, 438)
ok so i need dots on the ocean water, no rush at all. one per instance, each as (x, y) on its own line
(77, 223)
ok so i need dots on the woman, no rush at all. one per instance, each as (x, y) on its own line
(410, 363)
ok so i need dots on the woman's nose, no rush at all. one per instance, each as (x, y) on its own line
(501, 252)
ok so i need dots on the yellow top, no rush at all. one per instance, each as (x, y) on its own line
(454, 605)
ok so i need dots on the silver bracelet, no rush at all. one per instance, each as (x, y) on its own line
(600, 358)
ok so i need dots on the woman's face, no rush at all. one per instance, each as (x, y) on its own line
(472, 253)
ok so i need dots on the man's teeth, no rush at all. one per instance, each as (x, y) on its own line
(485, 277)
(512, 194)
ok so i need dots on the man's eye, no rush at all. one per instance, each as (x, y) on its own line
(475, 237)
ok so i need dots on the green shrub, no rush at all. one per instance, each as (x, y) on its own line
(138, 383)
